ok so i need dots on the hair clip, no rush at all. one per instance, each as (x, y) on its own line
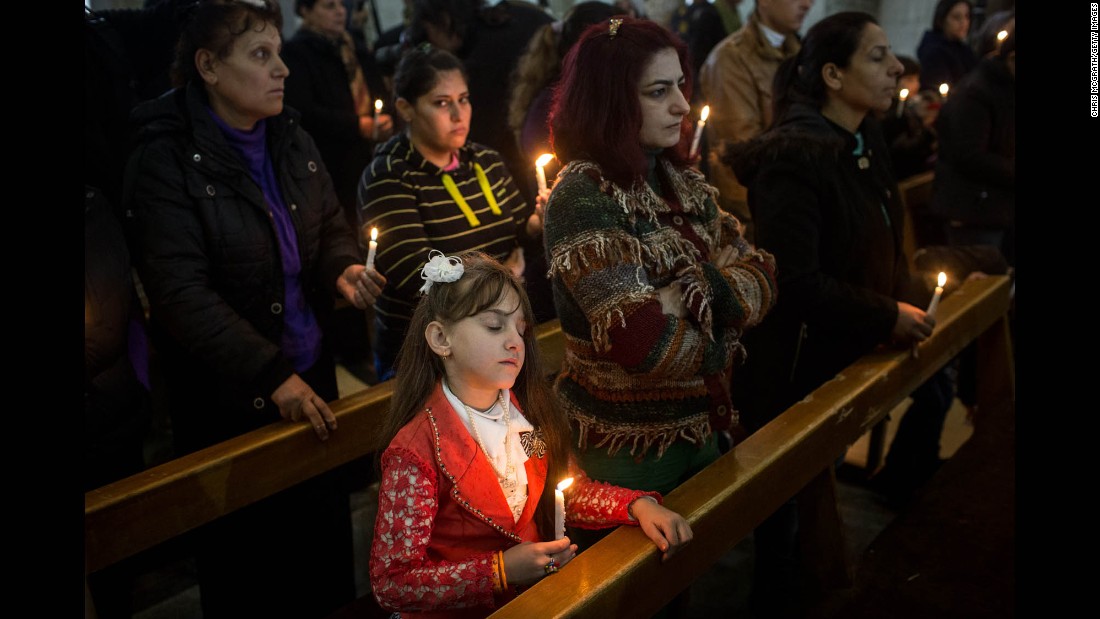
(425, 47)
(614, 27)
(440, 268)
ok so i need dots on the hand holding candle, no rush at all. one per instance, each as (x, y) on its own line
(540, 172)
(559, 508)
(372, 247)
(377, 111)
(940, 281)
(699, 131)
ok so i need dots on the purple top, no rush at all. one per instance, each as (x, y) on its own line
(301, 334)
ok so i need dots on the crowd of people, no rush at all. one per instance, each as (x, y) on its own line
(699, 296)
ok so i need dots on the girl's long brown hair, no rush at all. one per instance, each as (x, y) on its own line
(418, 369)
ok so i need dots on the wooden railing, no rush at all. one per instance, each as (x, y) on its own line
(621, 575)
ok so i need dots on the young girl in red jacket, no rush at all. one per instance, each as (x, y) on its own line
(466, 510)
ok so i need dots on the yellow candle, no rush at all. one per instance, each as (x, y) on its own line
(540, 173)
(940, 281)
(699, 130)
(377, 111)
(559, 508)
(372, 247)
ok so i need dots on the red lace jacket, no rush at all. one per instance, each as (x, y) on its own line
(442, 516)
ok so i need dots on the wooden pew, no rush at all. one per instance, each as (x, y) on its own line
(621, 576)
(139, 512)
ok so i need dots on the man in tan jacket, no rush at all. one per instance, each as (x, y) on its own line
(737, 84)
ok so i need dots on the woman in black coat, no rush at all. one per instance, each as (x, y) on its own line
(822, 193)
(822, 184)
(242, 248)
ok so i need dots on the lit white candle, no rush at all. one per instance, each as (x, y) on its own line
(540, 172)
(559, 508)
(943, 90)
(699, 131)
(377, 111)
(902, 96)
(936, 297)
(372, 247)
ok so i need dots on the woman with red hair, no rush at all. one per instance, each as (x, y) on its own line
(652, 282)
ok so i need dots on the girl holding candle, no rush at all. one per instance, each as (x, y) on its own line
(476, 448)
(429, 188)
(653, 283)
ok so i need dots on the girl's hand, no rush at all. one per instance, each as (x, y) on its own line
(360, 286)
(297, 402)
(667, 529)
(526, 563)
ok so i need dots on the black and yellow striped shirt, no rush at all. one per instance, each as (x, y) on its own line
(403, 195)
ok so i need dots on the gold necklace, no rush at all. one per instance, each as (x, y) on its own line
(507, 477)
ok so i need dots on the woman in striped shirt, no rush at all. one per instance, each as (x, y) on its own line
(428, 188)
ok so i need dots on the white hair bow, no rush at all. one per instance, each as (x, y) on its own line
(440, 268)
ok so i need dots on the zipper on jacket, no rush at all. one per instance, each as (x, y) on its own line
(802, 333)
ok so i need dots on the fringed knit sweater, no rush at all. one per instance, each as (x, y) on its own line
(633, 376)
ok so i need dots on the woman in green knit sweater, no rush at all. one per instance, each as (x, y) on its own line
(653, 284)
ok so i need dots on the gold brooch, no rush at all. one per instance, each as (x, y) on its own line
(614, 27)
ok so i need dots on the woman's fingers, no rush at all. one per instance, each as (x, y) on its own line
(314, 410)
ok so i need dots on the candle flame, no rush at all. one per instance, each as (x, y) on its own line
(943, 89)
(543, 159)
(705, 114)
(565, 483)
(374, 234)
(904, 94)
(942, 279)
(378, 105)
(1002, 35)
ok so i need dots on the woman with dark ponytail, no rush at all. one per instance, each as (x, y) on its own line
(825, 202)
